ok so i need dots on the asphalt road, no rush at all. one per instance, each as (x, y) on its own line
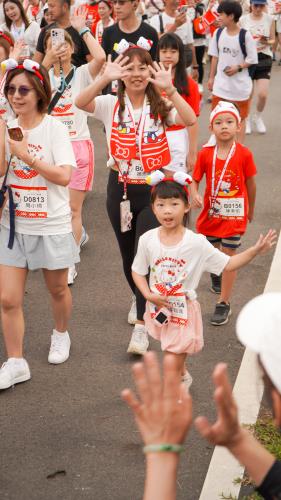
(66, 434)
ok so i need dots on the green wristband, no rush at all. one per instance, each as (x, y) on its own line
(156, 448)
(84, 30)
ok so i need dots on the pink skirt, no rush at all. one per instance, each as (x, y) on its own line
(176, 338)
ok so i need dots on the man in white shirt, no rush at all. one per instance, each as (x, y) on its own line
(175, 20)
(229, 76)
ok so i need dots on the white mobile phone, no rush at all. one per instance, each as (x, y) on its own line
(57, 37)
(125, 216)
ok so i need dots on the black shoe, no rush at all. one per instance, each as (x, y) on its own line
(221, 314)
(215, 283)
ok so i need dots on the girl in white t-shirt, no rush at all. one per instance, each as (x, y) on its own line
(75, 119)
(175, 258)
(36, 230)
(20, 27)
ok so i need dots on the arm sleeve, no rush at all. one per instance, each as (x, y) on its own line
(141, 261)
(251, 49)
(61, 146)
(213, 47)
(214, 260)
(270, 489)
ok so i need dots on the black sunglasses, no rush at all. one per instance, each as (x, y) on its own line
(22, 90)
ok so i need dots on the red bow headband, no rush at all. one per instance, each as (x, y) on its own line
(27, 64)
(6, 37)
(179, 177)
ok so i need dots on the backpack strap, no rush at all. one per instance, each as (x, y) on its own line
(218, 34)
(58, 94)
(161, 24)
(242, 41)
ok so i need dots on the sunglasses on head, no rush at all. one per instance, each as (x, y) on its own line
(22, 90)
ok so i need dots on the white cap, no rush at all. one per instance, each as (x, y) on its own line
(225, 107)
(259, 328)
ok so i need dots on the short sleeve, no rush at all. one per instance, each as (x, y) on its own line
(250, 168)
(199, 169)
(193, 99)
(104, 106)
(40, 42)
(141, 261)
(214, 260)
(62, 150)
(155, 23)
(189, 34)
(83, 77)
(171, 118)
(213, 47)
(105, 43)
(251, 49)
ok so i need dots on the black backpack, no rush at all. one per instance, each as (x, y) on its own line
(242, 42)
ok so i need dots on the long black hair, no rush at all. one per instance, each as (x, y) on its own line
(173, 41)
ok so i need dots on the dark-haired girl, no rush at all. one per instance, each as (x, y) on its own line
(39, 173)
(17, 23)
(182, 140)
(135, 122)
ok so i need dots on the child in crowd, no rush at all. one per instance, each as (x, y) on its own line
(176, 258)
(229, 197)
(182, 140)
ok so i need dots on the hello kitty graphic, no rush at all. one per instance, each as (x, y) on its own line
(23, 171)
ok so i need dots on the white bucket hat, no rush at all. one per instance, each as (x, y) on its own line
(259, 328)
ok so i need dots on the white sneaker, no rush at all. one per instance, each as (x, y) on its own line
(187, 380)
(14, 371)
(84, 238)
(132, 316)
(72, 273)
(139, 341)
(248, 129)
(60, 347)
(260, 126)
(200, 88)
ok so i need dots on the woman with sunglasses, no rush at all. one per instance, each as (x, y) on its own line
(135, 121)
(17, 23)
(262, 28)
(40, 167)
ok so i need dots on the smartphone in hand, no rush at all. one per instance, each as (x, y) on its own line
(15, 133)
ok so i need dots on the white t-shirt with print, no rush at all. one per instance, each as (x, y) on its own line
(42, 208)
(29, 35)
(239, 86)
(65, 110)
(182, 264)
(257, 28)
(184, 31)
(104, 109)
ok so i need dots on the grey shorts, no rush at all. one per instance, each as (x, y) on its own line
(58, 251)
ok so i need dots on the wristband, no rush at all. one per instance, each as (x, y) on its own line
(174, 90)
(84, 30)
(155, 448)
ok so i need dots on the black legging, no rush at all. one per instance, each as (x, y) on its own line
(143, 220)
(200, 51)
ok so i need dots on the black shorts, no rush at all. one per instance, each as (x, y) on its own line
(263, 68)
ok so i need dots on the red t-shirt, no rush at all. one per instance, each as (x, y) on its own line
(193, 99)
(231, 205)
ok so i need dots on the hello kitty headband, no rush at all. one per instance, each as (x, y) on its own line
(123, 45)
(6, 37)
(225, 107)
(179, 177)
(27, 64)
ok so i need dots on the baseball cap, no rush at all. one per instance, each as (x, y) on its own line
(258, 327)
(225, 107)
(259, 2)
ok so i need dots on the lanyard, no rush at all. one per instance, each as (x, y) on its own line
(214, 191)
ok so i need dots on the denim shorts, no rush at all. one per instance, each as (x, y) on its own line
(56, 251)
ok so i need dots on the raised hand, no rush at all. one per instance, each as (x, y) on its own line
(162, 78)
(78, 20)
(265, 243)
(164, 411)
(117, 69)
(226, 430)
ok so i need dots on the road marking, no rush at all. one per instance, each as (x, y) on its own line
(224, 468)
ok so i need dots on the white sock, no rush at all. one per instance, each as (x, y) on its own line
(55, 332)
(141, 328)
(16, 360)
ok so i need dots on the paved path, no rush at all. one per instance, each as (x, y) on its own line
(70, 418)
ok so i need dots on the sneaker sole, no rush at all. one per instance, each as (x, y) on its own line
(223, 322)
(58, 362)
(70, 283)
(135, 350)
(132, 321)
(18, 380)
(85, 241)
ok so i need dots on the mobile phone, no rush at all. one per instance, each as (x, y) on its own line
(57, 37)
(183, 9)
(162, 316)
(125, 216)
(15, 133)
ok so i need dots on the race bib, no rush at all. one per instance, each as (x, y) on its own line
(228, 207)
(178, 307)
(136, 175)
(31, 202)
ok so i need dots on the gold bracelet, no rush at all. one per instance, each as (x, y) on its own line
(172, 93)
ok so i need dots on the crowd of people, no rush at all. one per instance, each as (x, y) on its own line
(139, 67)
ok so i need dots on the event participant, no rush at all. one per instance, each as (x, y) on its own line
(40, 170)
(35, 11)
(229, 76)
(199, 42)
(17, 23)
(153, 7)
(105, 10)
(59, 10)
(175, 20)
(182, 141)
(135, 123)
(163, 412)
(262, 28)
(66, 83)
(128, 27)
(229, 198)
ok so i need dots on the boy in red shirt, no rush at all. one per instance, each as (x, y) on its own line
(229, 197)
